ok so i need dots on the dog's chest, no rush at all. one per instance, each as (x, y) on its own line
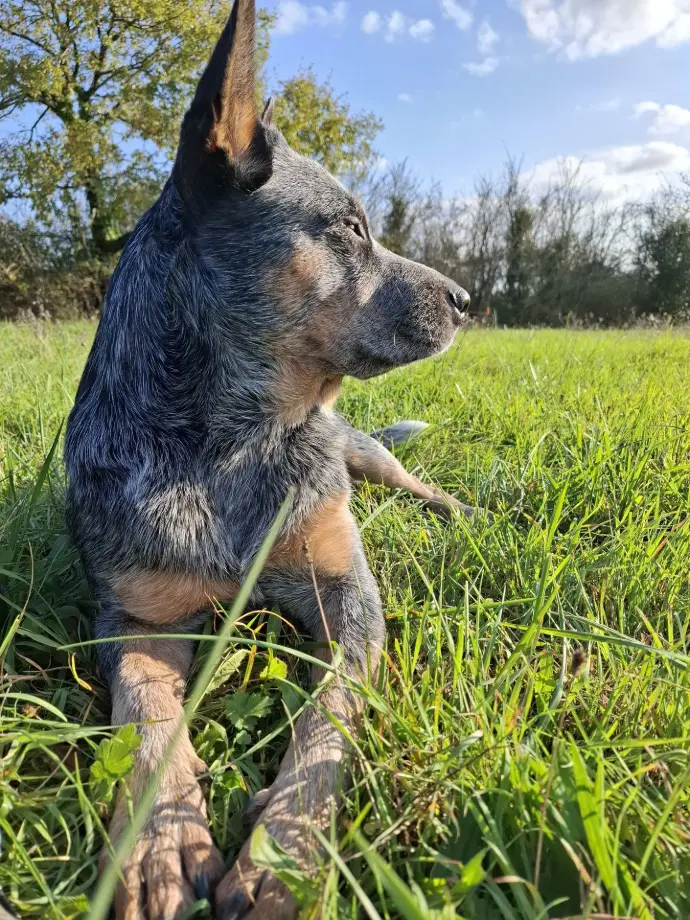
(250, 488)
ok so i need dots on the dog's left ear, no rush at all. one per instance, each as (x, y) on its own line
(222, 127)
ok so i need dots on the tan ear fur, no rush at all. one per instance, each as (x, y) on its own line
(235, 114)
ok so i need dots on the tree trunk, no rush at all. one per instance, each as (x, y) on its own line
(103, 244)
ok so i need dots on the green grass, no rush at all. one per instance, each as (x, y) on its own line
(527, 753)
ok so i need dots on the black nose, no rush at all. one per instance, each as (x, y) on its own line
(459, 301)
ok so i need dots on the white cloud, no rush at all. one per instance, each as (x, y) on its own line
(422, 30)
(618, 174)
(462, 17)
(397, 25)
(606, 105)
(668, 119)
(484, 68)
(677, 33)
(643, 107)
(405, 97)
(589, 28)
(486, 38)
(372, 22)
(293, 16)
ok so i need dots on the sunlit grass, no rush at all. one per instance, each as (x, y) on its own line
(526, 754)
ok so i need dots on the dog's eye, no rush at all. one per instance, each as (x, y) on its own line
(356, 227)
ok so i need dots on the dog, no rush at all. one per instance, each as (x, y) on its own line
(243, 298)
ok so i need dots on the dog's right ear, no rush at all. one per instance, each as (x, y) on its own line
(269, 112)
(222, 134)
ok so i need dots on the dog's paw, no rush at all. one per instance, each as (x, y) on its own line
(251, 893)
(174, 862)
(446, 507)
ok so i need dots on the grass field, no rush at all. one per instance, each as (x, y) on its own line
(527, 753)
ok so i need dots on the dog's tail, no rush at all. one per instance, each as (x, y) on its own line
(399, 435)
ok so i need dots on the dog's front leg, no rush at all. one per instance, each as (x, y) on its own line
(345, 609)
(174, 861)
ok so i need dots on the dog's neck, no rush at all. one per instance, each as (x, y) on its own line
(259, 400)
(302, 386)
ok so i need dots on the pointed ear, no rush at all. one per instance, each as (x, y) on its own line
(222, 123)
(269, 112)
(229, 82)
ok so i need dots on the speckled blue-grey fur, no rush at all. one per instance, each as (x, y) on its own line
(399, 435)
(175, 459)
(244, 296)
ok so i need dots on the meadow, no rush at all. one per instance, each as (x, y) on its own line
(526, 753)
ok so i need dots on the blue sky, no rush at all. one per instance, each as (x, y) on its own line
(460, 84)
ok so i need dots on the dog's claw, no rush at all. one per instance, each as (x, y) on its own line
(202, 887)
(249, 892)
(233, 907)
(271, 899)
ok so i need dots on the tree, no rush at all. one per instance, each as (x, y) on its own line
(98, 89)
(400, 192)
(319, 124)
(664, 266)
(397, 226)
(519, 258)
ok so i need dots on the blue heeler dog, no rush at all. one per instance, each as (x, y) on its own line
(244, 297)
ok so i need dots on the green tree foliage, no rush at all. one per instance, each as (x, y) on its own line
(664, 264)
(319, 124)
(400, 191)
(519, 261)
(397, 226)
(101, 86)
(98, 89)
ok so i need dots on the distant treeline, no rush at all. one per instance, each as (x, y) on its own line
(557, 257)
(551, 258)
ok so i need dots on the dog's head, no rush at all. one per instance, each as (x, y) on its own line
(289, 250)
